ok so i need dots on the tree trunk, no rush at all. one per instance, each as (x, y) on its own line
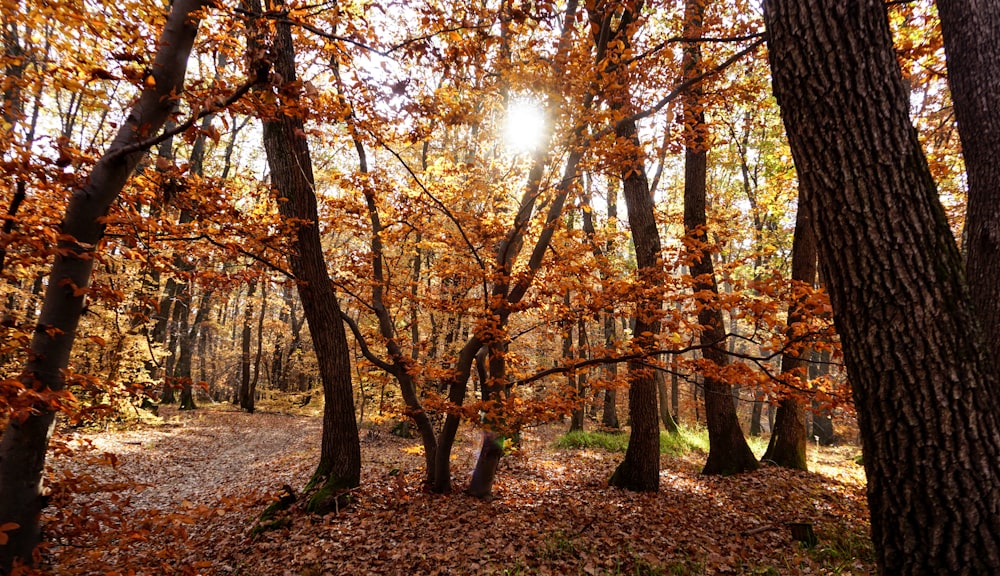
(675, 395)
(822, 418)
(576, 416)
(23, 446)
(609, 414)
(246, 398)
(609, 411)
(481, 484)
(971, 30)
(669, 424)
(291, 171)
(640, 470)
(187, 344)
(757, 411)
(728, 450)
(185, 347)
(259, 353)
(787, 446)
(925, 389)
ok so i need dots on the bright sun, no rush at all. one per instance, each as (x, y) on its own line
(525, 125)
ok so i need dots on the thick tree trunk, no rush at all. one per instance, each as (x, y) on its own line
(924, 386)
(728, 450)
(291, 171)
(23, 446)
(971, 31)
(787, 446)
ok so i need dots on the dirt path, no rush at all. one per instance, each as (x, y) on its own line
(198, 479)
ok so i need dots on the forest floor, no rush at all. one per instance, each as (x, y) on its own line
(182, 496)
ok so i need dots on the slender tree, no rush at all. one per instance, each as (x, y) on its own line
(787, 446)
(728, 449)
(926, 393)
(640, 469)
(24, 443)
(290, 162)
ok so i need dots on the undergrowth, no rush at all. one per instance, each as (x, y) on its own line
(688, 439)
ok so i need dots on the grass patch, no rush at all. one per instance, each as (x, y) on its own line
(687, 440)
(839, 549)
(610, 441)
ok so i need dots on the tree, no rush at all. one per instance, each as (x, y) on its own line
(291, 171)
(245, 394)
(24, 443)
(971, 31)
(728, 449)
(924, 385)
(787, 446)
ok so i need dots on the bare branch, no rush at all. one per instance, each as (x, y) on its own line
(368, 354)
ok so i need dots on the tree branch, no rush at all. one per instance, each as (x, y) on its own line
(365, 350)
(217, 106)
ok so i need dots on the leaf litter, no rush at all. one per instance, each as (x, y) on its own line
(182, 498)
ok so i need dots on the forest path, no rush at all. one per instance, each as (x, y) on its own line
(203, 456)
(183, 496)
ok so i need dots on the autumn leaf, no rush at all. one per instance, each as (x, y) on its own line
(7, 527)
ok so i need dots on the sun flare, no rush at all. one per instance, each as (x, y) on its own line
(525, 126)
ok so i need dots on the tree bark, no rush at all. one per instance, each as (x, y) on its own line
(245, 396)
(24, 443)
(640, 470)
(663, 394)
(924, 386)
(728, 449)
(971, 30)
(291, 171)
(787, 446)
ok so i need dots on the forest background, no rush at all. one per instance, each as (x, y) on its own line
(630, 252)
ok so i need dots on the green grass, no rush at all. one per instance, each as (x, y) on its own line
(673, 444)
(687, 440)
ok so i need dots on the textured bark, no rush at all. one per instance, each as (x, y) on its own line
(971, 30)
(640, 470)
(787, 446)
(23, 446)
(924, 388)
(291, 171)
(728, 449)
